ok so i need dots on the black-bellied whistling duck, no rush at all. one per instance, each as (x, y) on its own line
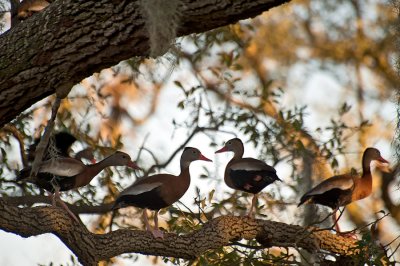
(65, 173)
(246, 174)
(159, 191)
(341, 190)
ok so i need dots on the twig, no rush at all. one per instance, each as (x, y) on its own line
(142, 146)
(20, 138)
(394, 251)
(41, 147)
(195, 215)
(368, 224)
(391, 242)
(172, 156)
(236, 243)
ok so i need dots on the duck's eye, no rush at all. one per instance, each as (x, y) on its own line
(229, 143)
(194, 152)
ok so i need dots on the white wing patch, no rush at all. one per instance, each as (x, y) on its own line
(247, 166)
(140, 188)
(343, 184)
(62, 167)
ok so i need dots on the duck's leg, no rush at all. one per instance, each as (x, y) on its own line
(52, 198)
(53, 182)
(63, 205)
(351, 234)
(253, 204)
(146, 220)
(335, 220)
(157, 232)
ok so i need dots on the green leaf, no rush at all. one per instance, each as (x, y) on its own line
(181, 105)
(211, 195)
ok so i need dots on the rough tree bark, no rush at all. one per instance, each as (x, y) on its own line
(91, 248)
(70, 40)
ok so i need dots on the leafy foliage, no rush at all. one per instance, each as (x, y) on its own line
(235, 81)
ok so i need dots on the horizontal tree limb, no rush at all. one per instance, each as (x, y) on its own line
(70, 40)
(91, 248)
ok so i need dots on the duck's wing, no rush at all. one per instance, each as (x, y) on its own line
(62, 167)
(340, 182)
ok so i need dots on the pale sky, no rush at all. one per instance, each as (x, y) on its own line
(320, 91)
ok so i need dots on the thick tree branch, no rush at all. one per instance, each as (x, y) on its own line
(91, 248)
(70, 40)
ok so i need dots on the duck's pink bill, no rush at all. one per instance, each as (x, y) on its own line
(133, 165)
(204, 158)
(382, 160)
(222, 150)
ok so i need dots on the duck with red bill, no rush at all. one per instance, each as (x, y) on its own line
(246, 174)
(159, 191)
(341, 190)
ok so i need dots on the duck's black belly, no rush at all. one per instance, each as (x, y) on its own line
(46, 181)
(252, 181)
(333, 198)
(150, 200)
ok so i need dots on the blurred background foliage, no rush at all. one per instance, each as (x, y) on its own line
(307, 86)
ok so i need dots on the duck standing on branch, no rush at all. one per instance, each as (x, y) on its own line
(65, 173)
(159, 191)
(341, 190)
(246, 174)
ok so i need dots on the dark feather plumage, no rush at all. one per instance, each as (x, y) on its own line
(68, 173)
(333, 198)
(47, 181)
(341, 190)
(151, 200)
(252, 181)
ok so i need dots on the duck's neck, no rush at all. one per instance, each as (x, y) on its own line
(363, 187)
(104, 163)
(96, 168)
(184, 176)
(238, 153)
(366, 164)
(184, 166)
(366, 171)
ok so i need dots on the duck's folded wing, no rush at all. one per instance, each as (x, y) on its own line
(251, 164)
(62, 167)
(140, 188)
(342, 182)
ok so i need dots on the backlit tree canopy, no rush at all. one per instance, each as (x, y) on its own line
(306, 85)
